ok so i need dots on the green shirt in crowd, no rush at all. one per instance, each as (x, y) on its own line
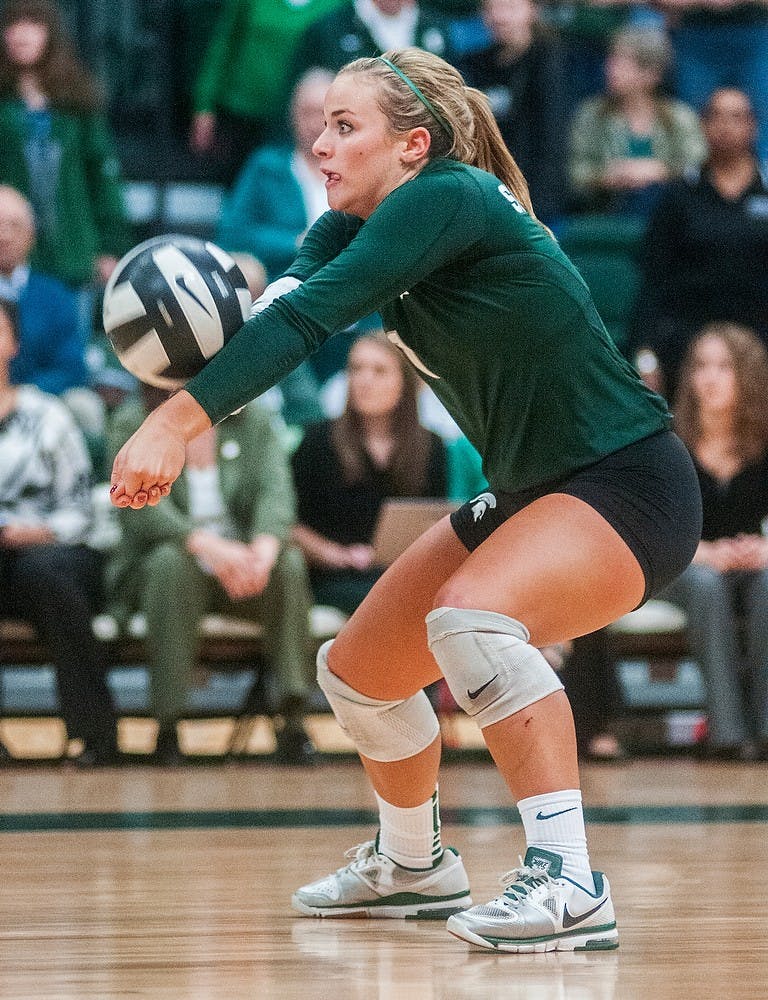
(247, 65)
(79, 204)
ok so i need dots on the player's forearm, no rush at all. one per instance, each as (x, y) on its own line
(254, 360)
(181, 415)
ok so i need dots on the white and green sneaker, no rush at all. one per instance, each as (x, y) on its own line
(541, 910)
(373, 885)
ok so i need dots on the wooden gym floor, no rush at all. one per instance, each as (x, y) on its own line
(145, 882)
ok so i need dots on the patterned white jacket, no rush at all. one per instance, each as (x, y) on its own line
(45, 471)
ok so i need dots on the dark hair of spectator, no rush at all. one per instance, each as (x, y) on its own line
(61, 75)
(410, 455)
(750, 364)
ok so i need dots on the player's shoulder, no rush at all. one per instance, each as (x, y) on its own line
(461, 179)
(444, 183)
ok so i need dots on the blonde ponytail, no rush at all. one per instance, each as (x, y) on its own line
(491, 152)
(417, 89)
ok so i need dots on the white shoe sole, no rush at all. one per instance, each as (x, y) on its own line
(438, 910)
(604, 938)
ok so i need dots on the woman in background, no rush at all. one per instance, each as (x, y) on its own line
(48, 574)
(344, 469)
(721, 412)
(57, 149)
(629, 140)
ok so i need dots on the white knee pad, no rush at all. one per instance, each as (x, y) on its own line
(381, 730)
(488, 663)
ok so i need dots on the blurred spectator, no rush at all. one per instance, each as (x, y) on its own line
(217, 544)
(721, 412)
(521, 72)
(586, 28)
(244, 82)
(345, 468)
(48, 575)
(57, 149)
(280, 191)
(721, 43)
(589, 677)
(705, 250)
(370, 27)
(51, 353)
(464, 471)
(629, 140)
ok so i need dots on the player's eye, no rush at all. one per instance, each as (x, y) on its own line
(344, 128)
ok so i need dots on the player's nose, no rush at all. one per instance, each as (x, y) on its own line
(320, 146)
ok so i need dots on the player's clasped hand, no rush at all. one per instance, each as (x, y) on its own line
(142, 498)
(150, 461)
(147, 465)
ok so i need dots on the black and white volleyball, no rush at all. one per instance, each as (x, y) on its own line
(171, 303)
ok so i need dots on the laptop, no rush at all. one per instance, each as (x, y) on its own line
(402, 520)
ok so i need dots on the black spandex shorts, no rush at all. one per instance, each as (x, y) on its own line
(648, 492)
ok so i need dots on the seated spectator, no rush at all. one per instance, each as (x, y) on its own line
(243, 85)
(586, 28)
(704, 253)
(345, 468)
(521, 73)
(721, 43)
(217, 544)
(721, 412)
(368, 28)
(629, 140)
(48, 575)
(280, 191)
(57, 149)
(51, 350)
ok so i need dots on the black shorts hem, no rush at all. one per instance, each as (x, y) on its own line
(648, 492)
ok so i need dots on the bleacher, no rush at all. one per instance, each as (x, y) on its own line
(661, 686)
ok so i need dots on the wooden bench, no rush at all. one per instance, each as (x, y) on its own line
(657, 633)
(227, 644)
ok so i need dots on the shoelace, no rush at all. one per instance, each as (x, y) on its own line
(361, 854)
(519, 883)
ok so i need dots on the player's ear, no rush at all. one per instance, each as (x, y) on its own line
(416, 145)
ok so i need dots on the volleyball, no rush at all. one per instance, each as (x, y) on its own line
(171, 303)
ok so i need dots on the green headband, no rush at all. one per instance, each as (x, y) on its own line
(424, 100)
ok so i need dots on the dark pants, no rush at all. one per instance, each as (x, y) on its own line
(590, 681)
(54, 587)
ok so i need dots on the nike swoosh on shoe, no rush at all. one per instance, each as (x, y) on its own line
(571, 921)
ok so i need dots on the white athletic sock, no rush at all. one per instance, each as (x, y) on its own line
(410, 837)
(555, 822)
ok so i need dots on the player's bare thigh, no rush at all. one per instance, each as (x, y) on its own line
(382, 650)
(557, 566)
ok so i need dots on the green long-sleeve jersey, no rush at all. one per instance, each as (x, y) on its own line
(485, 304)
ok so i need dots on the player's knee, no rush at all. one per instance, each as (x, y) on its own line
(381, 730)
(489, 665)
(456, 593)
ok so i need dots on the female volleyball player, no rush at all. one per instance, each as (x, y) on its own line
(593, 503)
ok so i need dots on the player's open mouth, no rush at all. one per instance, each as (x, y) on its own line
(331, 178)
